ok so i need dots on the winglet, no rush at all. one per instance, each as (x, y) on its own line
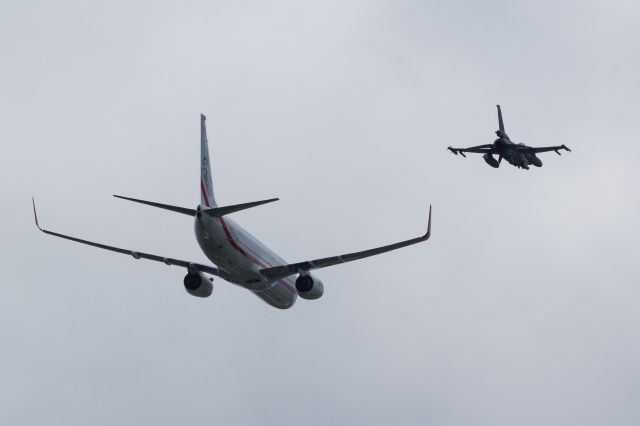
(428, 234)
(35, 214)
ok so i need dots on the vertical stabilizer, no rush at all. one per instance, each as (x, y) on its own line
(206, 186)
(500, 123)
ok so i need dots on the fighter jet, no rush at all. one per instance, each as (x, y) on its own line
(517, 154)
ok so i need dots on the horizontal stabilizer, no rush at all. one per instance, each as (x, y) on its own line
(221, 211)
(214, 212)
(183, 210)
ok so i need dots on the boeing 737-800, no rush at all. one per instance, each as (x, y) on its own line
(240, 258)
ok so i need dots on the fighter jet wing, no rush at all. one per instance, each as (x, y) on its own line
(135, 254)
(279, 272)
(547, 149)
(480, 149)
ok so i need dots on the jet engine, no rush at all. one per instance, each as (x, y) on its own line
(533, 159)
(309, 287)
(488, 158)
(198, 285)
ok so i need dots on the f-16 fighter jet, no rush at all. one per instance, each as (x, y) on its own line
(517, 154)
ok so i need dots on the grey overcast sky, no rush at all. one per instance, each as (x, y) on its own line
(521, 310)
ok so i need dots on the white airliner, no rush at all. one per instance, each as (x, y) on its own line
(240, 258)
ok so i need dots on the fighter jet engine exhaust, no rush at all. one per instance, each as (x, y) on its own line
(198, 285)
(490, 160)
(309, 287)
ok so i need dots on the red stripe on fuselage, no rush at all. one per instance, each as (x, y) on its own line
(235, 245)
(203, 189)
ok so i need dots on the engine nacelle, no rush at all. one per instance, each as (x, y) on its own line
(309, 287)
(488, 158)
(198, 285)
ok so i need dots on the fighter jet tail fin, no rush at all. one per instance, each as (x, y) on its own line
(500, 123)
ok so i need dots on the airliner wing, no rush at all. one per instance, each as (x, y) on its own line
(278, 272)
(480, 149)
(135, 254)
(548, 148)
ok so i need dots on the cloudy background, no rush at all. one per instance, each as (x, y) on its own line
(521, 309)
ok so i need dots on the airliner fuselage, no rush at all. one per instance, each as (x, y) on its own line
(241, 256)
